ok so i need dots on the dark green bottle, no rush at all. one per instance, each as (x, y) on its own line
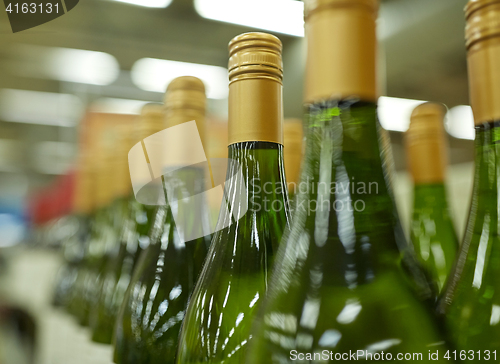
(338, 286)
(74, 246)
(432, 231)
(150, 317)
(133, 237)
(254, 212)
(471, 299)
(102, 242)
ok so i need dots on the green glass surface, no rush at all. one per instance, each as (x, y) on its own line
(73, 253)
(471, 300)
(432, 231)
(112, 288)
(151, 315)
(339, 283)
(234, 278)
(102, 245)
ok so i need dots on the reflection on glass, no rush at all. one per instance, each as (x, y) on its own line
(338, 282)
(470, 300)
(234, 279)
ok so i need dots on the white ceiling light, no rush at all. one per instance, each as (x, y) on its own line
(44, 108)
(67, 64)
(148, 3)
(281, 16)
(394, 113)
(460, 122)
(117, 106)
(155, 74)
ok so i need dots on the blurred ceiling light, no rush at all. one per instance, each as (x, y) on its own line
(261, 14)
(394, 113)
(152, 74)
(117, 106)
(66, 64)
(148, 3)
(460, 122)
(45, 108)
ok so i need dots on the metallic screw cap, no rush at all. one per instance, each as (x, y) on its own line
(483, 20)
(185, 92)
(425, 143)
(152, 120)
(253, 55)
(311, 6)
(426, 122)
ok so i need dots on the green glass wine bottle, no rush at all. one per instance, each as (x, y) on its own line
(338, 285)
(234, 278)
(150, 317)
(106, 224)
(73, 248)
(432, 231)
(133, 236)
(471, 299)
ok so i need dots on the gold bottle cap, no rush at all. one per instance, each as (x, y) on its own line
(312, 6)
(124, 143)
(255, 89)
(83, 197)
(293, 137)
(151, 120)
(104, 178)
(254, 55)
(185, 92)
(425, 143)
(185, 100)
(341, 49)
(483, 20)
(293, 129)
(483, 58)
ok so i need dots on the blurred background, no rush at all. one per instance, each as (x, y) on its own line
(113, 56)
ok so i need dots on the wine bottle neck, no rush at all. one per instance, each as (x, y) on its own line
(343, 186)
(430, 195)
(256, 179)
(485, 198)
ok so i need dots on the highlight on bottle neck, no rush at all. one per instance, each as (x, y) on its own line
(482, 35)
(425, 143)
(341, 49)
(255, 89)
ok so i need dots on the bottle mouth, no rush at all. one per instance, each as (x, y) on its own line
(255, 55)
(312, 6)
(483, 20)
